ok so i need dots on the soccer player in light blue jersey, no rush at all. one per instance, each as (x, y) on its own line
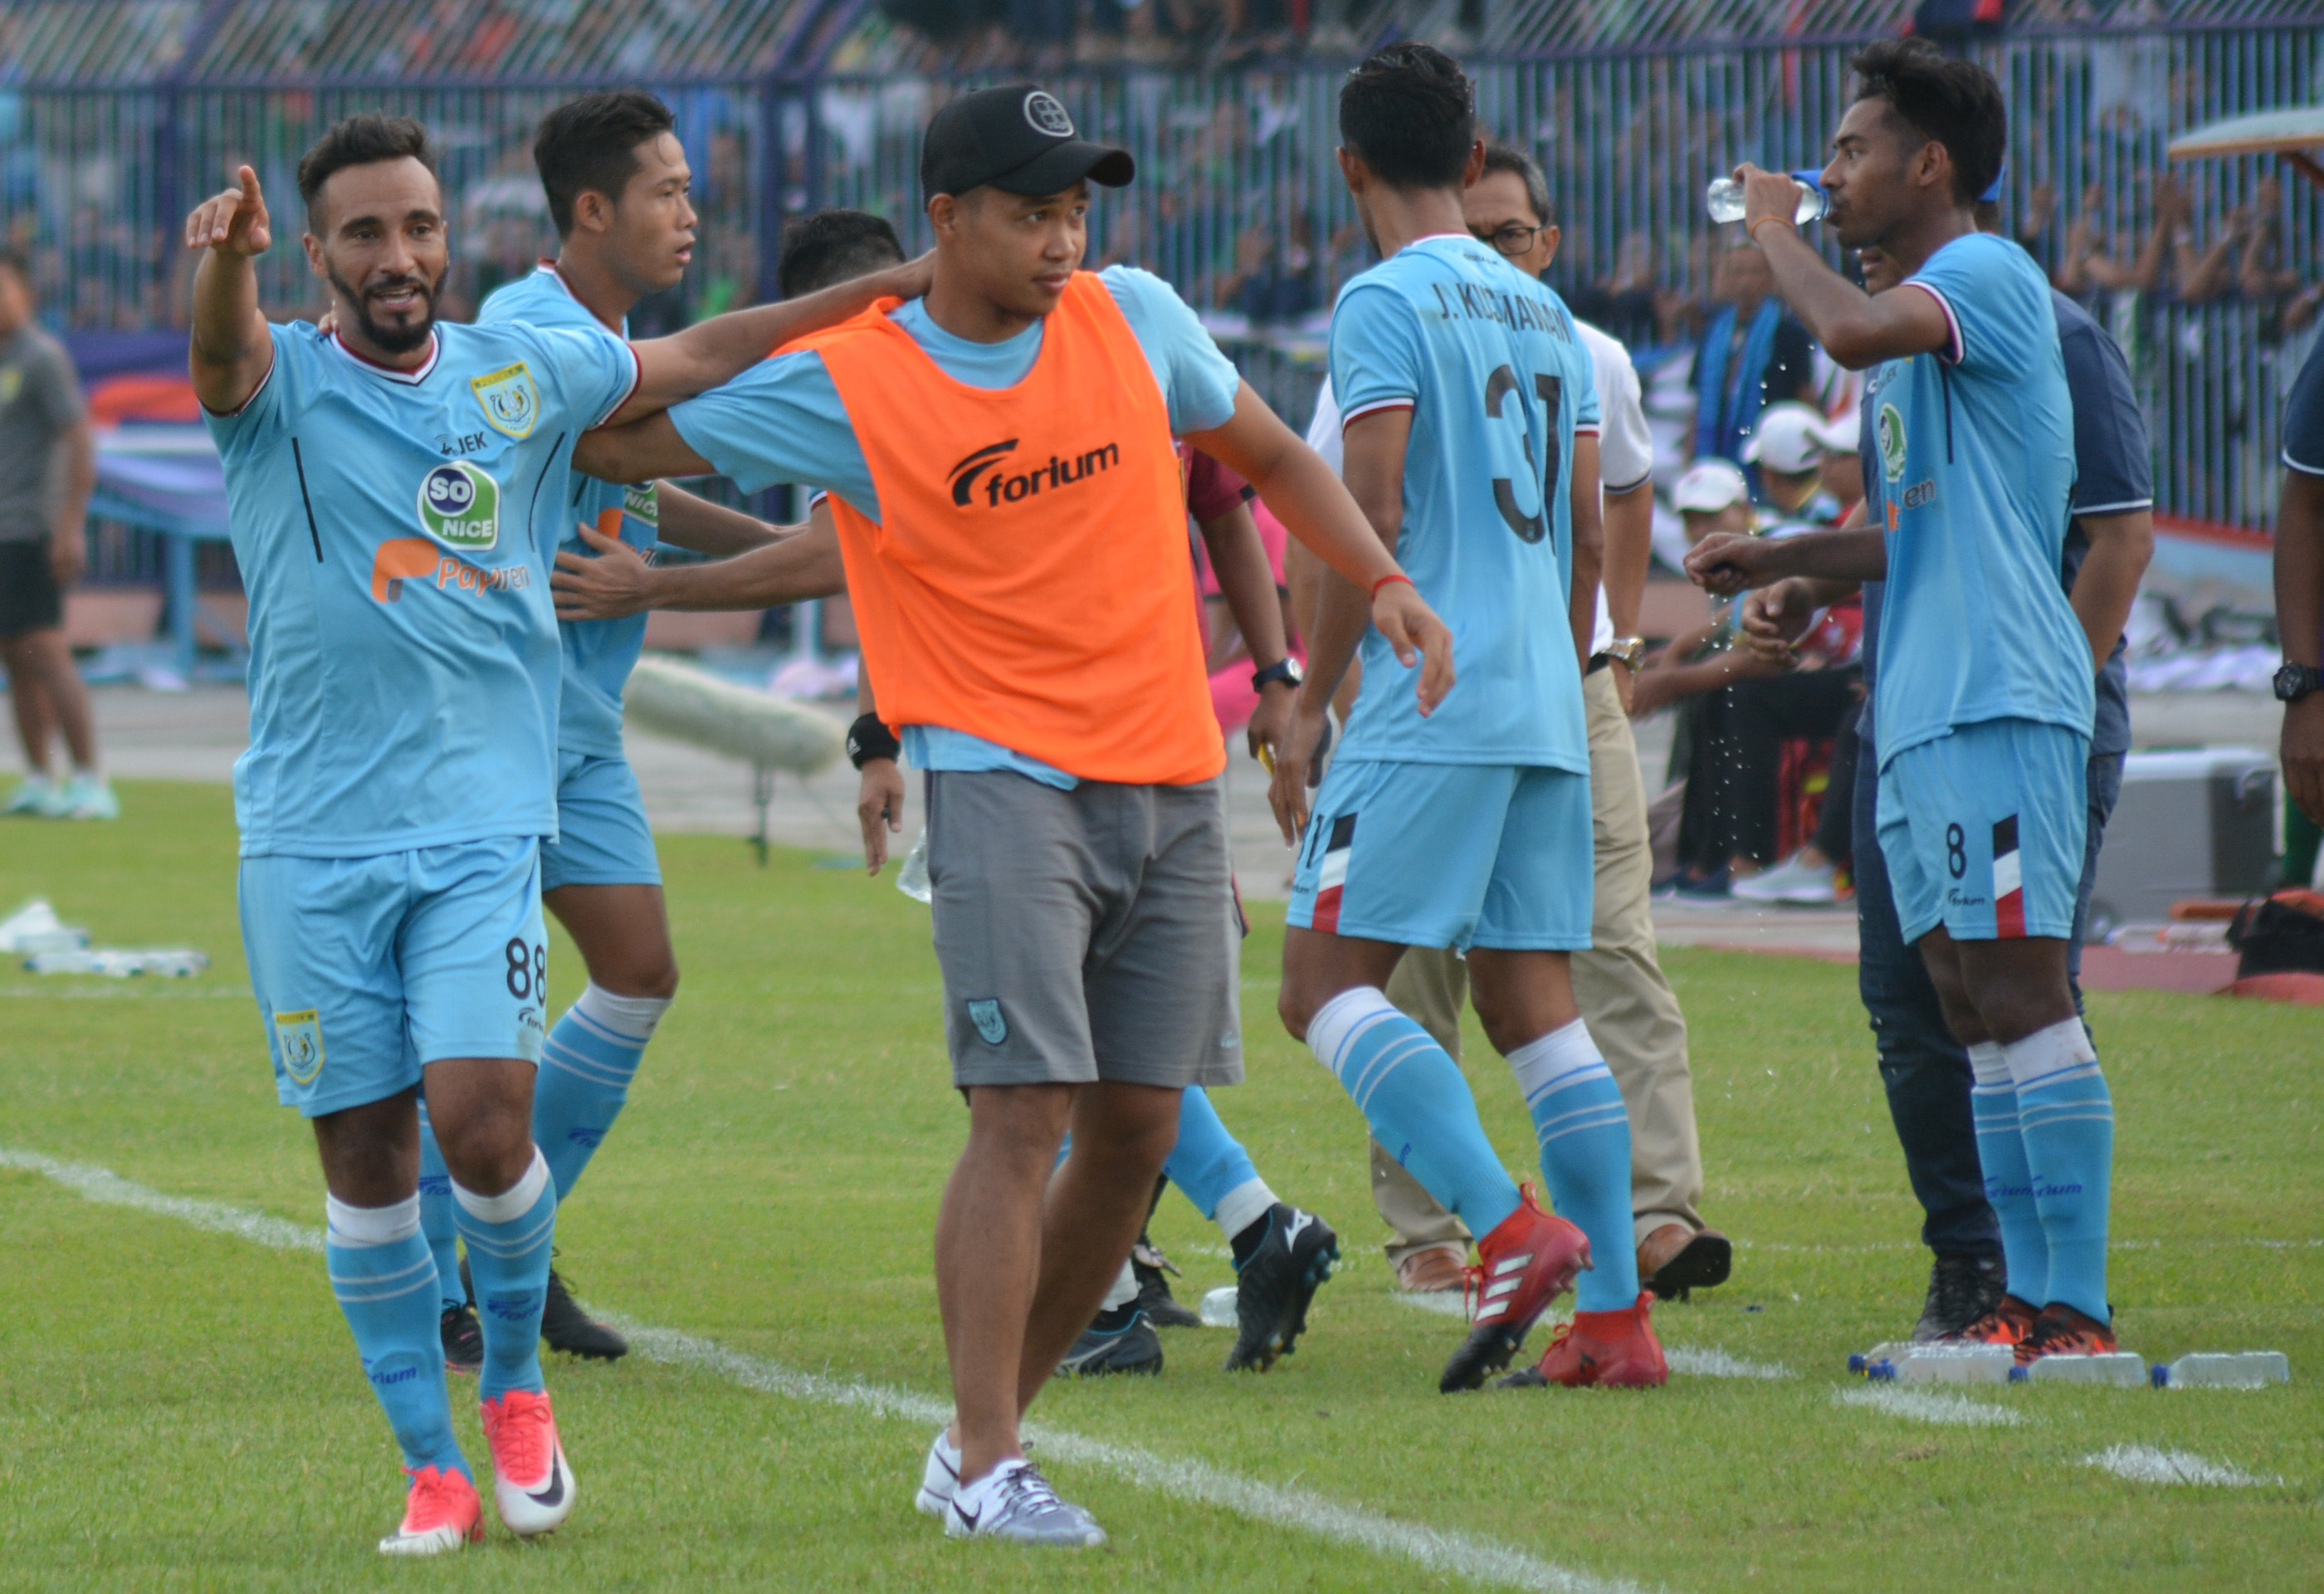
(617, 183)
(1987, 673)
(1470, 428)
(393, 493)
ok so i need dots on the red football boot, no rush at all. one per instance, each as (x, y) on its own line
(1528, 1260)
(1611, 1349)
(2060, 1331)
(2009, 1323)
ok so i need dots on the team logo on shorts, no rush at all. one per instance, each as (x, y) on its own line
(986, 1016)
(299, 1042)
(460, 507)
(1047, 116)
(1331, 876)
(509, 400)
(1890, 430)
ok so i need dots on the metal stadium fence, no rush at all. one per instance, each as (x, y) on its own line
(117, 114)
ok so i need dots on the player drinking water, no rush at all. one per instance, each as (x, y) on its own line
(1471, 415)
(1985, 693)
(1006, 494)
(385, 486)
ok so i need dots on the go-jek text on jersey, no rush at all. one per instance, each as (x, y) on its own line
(394, 531)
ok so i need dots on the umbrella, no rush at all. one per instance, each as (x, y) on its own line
(2291, 132)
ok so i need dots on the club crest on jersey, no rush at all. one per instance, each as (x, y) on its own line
(1890, 430)
(460, 507)
(299, 1042)
(509, 400)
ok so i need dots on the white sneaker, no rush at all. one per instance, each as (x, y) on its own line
(1015, 1502)
(1798, 883)
(940, 1478)
(88, 797)
(532, 1483)
(36, 796)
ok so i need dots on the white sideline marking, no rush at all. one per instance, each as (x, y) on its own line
(102, 1185)
(1443, 1303)
(1436, 1550)
(1953, 1410)
(1709, 1361)
(2141, 1463)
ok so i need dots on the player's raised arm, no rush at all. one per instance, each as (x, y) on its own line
(717, 350)
(231, 350)
(1857, 329)
(638, 452)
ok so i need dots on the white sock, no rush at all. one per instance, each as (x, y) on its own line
(1242, 1206)
(2051, 1056)
(1124, 1291)
(371, 1225)
(631, 1017)
(1337, 1021)
(1546, 1060)
(512, 1203)
(1989, 1063)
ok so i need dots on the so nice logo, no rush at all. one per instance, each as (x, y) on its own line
(460, 508)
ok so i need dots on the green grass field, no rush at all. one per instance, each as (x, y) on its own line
(183, 1409)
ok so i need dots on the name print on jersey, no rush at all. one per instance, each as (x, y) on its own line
(1472, 301)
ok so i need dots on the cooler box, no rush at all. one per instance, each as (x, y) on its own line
(2190, 824)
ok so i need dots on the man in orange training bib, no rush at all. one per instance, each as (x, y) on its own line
(1008, 503)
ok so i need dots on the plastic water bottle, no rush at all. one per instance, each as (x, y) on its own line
(1954, 1364)
(2118, 1370)
(912, 879)
(1724, 199)
(2241, 1369)
(1218, 1308)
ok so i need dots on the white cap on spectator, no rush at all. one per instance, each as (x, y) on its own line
(1787, 437)
(1838, 434)
(1708, 486)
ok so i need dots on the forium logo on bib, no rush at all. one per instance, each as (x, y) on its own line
(988, 473)
(460, 507)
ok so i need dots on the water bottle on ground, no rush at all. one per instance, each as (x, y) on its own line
(912, 879)
(2118, 1370)
(1724, 199)
(1218, 1308)
(2240, 1369)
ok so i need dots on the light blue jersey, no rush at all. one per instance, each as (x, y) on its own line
(1498, 384)
(394, 531)
(598, 654)
(1976, 450)
(782, 421)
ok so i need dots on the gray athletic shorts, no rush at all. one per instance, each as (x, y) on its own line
(1085, 935)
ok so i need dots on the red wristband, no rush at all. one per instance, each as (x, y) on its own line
(1384, 581)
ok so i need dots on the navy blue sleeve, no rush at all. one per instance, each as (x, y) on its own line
(2114, 470)
(2303, 416)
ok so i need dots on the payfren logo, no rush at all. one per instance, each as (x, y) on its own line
(406, 558)
(989, 468)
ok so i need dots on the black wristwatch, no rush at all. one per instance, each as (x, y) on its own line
(2295, 682)
(1286, 669)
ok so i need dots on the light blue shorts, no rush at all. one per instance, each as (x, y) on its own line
(601, 822)
(368, 968)
(1982, 830)
(1449, 854)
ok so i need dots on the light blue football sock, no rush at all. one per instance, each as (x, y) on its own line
(585, 1068)
(2065, 1117)
(1585, 1156)
(2009, 1188)
(1417, 1103)
(1211, 1168)
(436, 1216)
(509, 1237)
(385, 1282)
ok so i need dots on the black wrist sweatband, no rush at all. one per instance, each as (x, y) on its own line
(868, 738)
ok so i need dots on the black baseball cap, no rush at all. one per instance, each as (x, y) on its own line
(1018, 138)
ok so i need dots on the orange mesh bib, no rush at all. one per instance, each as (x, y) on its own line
(1028, 579)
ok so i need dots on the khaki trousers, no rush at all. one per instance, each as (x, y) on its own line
(1624, 999)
